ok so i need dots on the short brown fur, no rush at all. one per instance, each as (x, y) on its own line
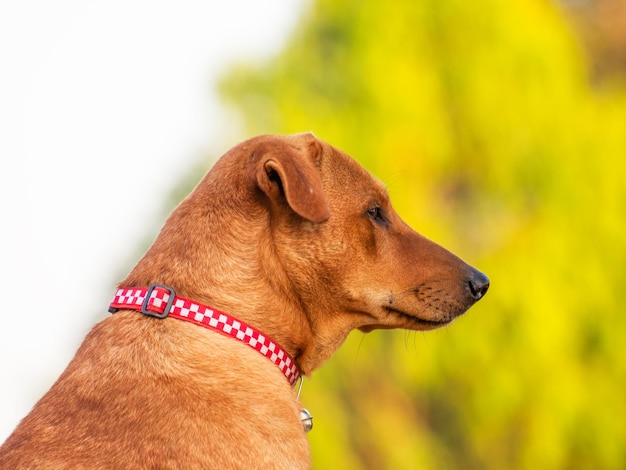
(285, 233)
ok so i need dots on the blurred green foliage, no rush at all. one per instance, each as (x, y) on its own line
(480, 118)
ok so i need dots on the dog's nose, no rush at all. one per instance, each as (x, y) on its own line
(478, 284)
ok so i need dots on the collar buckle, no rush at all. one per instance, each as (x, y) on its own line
(168, 306)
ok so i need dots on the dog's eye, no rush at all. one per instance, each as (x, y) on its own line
(376, 214)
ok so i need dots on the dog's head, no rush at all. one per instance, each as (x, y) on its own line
(353, 261)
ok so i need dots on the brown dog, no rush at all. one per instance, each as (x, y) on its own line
(290, 236)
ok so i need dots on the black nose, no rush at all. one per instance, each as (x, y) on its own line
(478, 284)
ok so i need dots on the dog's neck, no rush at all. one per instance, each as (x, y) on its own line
(218, 260)
(161, 302)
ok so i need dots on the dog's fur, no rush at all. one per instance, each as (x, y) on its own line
(285, 233)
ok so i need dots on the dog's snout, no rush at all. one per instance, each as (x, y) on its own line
(478, 284)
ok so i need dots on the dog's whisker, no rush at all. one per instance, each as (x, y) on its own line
(358, 349)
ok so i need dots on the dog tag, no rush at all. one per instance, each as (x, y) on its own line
(307, 420)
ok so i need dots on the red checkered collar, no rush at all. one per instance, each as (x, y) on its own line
(161, 301)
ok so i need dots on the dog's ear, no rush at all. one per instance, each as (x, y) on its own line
(288, 173)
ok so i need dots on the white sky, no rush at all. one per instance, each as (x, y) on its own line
(103, 107)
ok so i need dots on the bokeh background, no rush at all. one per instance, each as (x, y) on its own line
(500, 131)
